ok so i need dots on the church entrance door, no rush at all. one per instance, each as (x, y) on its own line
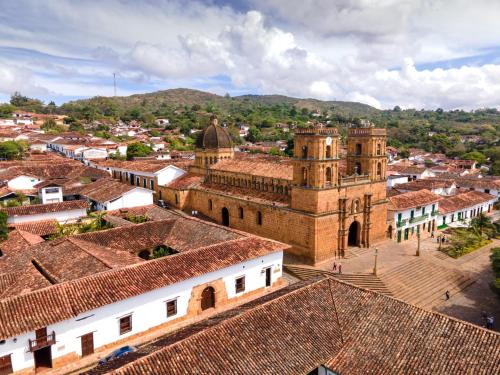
(354, 233)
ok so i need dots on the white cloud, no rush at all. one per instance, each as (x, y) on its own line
(364, 50)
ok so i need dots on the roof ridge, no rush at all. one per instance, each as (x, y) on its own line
(72, 240)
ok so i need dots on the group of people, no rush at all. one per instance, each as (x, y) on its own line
(337, 267)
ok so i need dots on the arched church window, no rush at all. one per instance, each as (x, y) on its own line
(328, 175)
(379, 149)
(379, 169)
(304, 176)
(358, 148)
(304, 152)
(210, 204)
(328, 152)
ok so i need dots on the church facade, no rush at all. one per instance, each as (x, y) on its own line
(304, 201)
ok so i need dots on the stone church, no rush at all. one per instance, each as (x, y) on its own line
(304, 201)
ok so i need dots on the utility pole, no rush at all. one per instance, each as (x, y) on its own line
(114, 82)
(375, 265)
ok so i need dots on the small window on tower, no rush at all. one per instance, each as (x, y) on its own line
(358, 148)
(328, 152)
(304, 152)
(379, 149)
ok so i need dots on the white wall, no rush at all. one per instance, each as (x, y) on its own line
(148, 310)
(94, 153)
(61, 217)
(395, 180)
(133, 198)
(465, 214)
(406, 215)
(168, 174)
(23, 183)
(51, 197)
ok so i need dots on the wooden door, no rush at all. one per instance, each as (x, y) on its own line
(268, 276)
(208, 298)
(5, 365)
(87, 344)
(41, 334)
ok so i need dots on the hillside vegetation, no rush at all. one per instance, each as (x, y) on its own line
(467, 134)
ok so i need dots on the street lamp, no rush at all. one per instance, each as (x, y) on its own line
(418, 244)
(375, 265)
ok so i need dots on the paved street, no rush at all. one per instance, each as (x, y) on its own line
(466, 304)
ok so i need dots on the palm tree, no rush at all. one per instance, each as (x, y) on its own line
(480, 223)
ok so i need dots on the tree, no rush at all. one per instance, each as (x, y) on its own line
(6, 110)
(4, 232)
(51, 126)
(254, 135)
(18, 100)
(12, 150)
(477, 156)
(76, 127)
(482, 224)
(138, 149)
(495, 168)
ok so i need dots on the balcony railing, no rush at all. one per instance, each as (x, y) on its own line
(401, 223)
(42, 342)
(354, 178)
(434, 213)
(419, 218)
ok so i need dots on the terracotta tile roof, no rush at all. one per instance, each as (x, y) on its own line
(281, 168)
(70, 258)
(178, 233)
(68, 299)
(153, 212)
(22, 282)
(265, 197)
(35, 209)
(425, 184)
(149, 166)
(4, 190)
(464, 200)
(403, 169)
(319, 322)
(19, 240)
(186, 181)
(41, 228)
(105, 189)
(412, 199)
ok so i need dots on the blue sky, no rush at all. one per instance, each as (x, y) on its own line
(412, 53)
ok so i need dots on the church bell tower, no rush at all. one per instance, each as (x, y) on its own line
(315, 167)
(366, 151)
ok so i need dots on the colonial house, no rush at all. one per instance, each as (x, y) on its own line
(412, 214)
(63, 212)
(459, 209)
(413, 172)
(439, 187)
(396, 179)
(147, 174)
(109, 194)
(91, 297)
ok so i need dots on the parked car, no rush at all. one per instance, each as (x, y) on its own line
(162, 203)
(118, 353)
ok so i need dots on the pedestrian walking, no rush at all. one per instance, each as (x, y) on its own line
(484, 316)
(447, 295)
(490, 322)
(334, 266)
(340, 268)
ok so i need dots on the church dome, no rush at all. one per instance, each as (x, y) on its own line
(214, 136)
